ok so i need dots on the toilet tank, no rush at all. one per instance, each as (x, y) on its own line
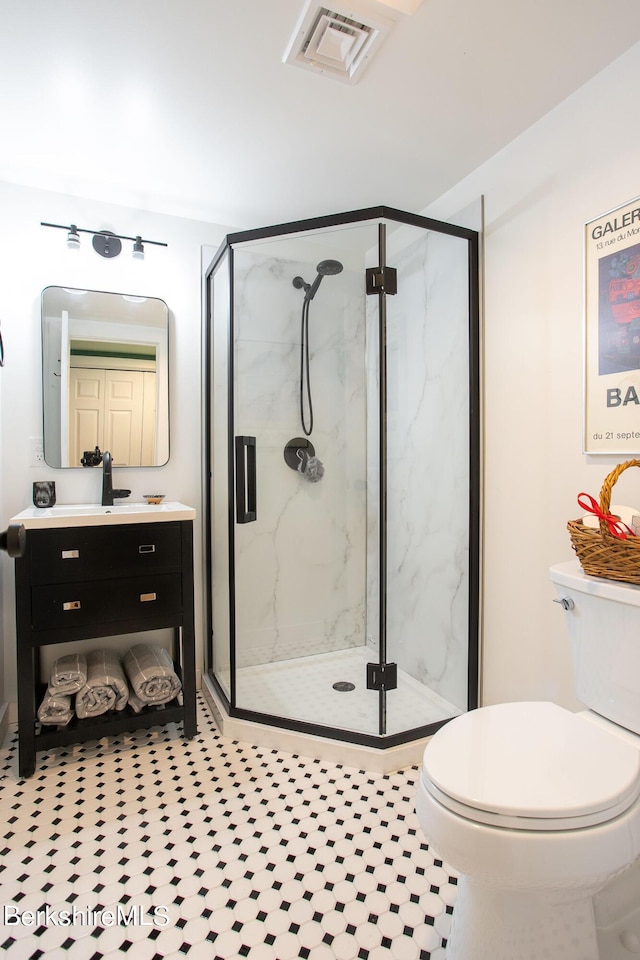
(603, 620)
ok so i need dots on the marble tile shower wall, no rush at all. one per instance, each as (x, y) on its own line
(304, 559)
(427, 464)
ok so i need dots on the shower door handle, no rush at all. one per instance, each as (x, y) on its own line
(245, 479)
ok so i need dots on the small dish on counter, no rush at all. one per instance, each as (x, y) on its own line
(153, 497)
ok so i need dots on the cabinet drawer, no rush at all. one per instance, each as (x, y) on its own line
(56, 606)
(93, 553)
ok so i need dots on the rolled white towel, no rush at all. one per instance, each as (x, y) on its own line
(150, 672)
(106, 687)
(68, 674)
(55, 709)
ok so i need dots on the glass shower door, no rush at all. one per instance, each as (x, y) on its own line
(300, 430)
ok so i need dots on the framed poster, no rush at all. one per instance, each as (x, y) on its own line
(612, 332)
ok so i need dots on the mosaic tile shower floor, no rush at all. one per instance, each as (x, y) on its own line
(162, 849)
(303, 690)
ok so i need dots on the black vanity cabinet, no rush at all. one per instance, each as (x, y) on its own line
(94, 581)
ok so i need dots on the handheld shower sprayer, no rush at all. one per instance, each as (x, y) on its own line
(326, 268)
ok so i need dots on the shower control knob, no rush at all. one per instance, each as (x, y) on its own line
(566, 603)
(13, 540)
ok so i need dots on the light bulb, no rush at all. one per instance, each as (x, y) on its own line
(73, 238)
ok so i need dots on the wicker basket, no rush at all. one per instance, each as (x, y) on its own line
(599, 552)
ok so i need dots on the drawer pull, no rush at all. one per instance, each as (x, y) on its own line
(71, 605)
(70, 554)
(146, 597)
(147, 548)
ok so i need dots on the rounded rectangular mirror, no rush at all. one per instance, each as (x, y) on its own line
(105, 377)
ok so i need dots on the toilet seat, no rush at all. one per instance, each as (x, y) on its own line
(531, 766)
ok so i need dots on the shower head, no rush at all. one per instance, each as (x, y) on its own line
(326, 268)
(329, 268)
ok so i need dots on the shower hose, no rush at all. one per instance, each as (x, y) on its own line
(304, 370)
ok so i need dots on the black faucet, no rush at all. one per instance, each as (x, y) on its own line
(108, 493)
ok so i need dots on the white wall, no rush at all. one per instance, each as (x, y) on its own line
(34, 257)
(576, 163)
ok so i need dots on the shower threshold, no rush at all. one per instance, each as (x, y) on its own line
(303, 689)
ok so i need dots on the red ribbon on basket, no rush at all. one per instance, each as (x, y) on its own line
(617, 528)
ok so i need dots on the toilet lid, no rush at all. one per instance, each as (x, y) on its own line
(531, 766)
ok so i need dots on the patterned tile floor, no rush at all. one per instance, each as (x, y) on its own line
(152, 847)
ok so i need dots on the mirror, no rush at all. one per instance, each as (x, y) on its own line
(105, 377)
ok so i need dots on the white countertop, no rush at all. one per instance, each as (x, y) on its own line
(93, 515)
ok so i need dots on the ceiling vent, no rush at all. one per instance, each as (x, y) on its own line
(336, 41)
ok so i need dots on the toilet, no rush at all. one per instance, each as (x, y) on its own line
(538, 808)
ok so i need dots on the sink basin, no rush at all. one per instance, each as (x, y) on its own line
(92, 514)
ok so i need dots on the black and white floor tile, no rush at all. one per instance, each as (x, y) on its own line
(152, 847)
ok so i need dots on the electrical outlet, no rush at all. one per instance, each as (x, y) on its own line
(37, 451)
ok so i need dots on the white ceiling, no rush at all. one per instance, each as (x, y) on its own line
(185, 106)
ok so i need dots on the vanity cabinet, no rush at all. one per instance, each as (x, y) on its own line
(92, 581)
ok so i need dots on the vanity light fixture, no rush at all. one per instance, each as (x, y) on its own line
(104, 242)
(73, 238)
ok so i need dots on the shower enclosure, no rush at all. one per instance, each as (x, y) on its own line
(342, 475)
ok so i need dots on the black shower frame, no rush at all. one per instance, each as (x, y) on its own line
(385, 213)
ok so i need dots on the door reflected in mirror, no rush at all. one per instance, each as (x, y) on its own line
(105, 377)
